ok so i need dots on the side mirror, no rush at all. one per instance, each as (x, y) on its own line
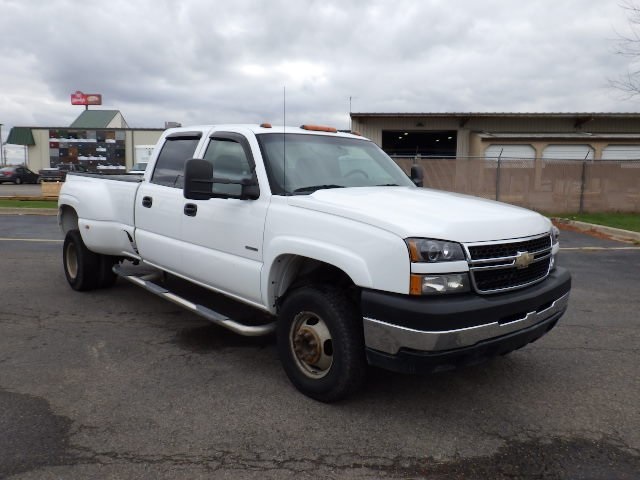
(199, 183)
(417, 175)
(198, 177)
(250, 190)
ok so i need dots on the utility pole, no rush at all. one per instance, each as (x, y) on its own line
(1, 148)
(350, 120)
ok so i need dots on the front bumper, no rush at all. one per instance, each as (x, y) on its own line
(416, 333)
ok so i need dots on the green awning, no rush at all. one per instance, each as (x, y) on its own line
(21, 136)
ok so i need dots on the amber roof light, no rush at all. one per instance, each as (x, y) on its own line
(319, 128)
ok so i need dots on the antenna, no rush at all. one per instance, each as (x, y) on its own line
(284, 139)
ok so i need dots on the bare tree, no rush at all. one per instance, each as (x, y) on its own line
(629, 46)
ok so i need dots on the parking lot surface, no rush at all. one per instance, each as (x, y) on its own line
(118, 383)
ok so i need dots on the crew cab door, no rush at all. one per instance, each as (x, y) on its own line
(223, 236)
(159, 204)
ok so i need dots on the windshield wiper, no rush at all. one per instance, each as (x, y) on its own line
(387, 185)
(313, 188)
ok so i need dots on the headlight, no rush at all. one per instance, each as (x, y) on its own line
(555, 234)
(426, 250)
(439, 284)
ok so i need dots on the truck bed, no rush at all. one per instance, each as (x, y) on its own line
(122, 178)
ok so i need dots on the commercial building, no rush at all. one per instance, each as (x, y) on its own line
(607, 136)
(101, 140)
(555, 162)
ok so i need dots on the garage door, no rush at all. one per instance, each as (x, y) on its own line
(507, 152)
(568, 152)
(621, 152)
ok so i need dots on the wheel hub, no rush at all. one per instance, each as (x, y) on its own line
(72, 261)
(307, 345)
(311, 345)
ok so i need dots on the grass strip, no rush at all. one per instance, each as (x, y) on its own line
(28, 203)
(625, 221)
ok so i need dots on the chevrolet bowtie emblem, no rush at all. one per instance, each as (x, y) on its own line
(523, 260)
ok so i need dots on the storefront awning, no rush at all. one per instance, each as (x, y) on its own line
(20, 136)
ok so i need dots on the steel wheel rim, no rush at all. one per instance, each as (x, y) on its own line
(71, 260)
(311, 344)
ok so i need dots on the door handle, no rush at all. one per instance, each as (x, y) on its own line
(147, 202)
(190, 209)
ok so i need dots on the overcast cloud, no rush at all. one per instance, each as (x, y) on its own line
(198, 61)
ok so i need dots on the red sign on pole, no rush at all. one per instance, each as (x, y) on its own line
(79, 98)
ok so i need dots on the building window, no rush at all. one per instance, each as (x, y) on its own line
(426, 144)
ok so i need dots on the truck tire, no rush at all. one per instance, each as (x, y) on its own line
(320, 343)
(107, 278)
(81, 265)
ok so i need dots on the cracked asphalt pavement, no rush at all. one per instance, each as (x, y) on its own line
(118, 383)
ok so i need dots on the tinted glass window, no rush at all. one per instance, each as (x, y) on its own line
(169, 169)
(300, 164)
(229, 161)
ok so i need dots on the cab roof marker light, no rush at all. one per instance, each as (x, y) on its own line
(265, 125)
(319, 128)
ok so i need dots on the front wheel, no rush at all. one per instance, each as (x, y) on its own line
(321, 344)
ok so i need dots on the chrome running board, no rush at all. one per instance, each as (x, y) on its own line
(145, 282)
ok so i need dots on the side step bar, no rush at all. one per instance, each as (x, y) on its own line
(211, 315)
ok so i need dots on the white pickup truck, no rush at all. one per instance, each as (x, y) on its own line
(333, 245)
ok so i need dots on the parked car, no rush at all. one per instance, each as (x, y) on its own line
(18, 175)
(59, 173)
(138, 168)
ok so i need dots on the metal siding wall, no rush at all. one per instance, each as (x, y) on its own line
(139, 137)
(523, 124)
(39, 153)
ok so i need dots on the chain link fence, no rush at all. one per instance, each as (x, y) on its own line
(543, 184)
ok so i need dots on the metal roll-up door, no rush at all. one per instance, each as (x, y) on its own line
(510, 152)
(568, 152)
(621, 152)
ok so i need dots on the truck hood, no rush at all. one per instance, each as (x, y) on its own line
(421, 212)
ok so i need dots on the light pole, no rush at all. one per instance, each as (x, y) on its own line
(1, 147)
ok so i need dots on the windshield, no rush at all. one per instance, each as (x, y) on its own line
(319, 161)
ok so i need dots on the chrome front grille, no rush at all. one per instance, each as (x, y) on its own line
(508, 265)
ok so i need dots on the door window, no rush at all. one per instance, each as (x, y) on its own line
(169, 169)
(229, 162)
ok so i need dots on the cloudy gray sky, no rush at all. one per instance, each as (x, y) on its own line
(199, 61)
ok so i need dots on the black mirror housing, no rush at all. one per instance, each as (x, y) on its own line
(198, 183)
(198, 177)
(417, 175)
(250, 190)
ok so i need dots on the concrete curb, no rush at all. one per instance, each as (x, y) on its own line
(615, 233)
(29, 211)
